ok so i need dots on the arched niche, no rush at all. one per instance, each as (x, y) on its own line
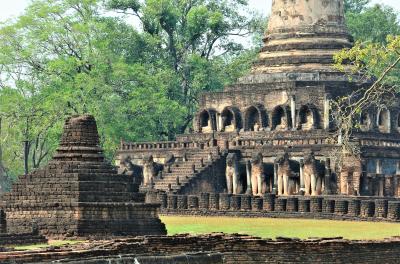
(308, 117)
(384, 120)
(255, 118)
(207, 122)
(365, 121)
(231, 119)
(281, 118)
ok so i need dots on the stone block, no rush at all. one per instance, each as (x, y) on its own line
(367, 208)
(246, 201)
(381, 208)
(224, 201)
(269, 202)
(304, 205)
(292, 204)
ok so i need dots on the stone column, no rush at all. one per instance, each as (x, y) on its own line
(378, 166)
(327, 178)
(379, 176)
(398, 168)
(293, 111)
(219, 122)
(275, 189)
(302, 186)
(327, 106)
(248, 177)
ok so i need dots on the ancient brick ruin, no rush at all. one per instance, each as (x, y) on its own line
(216, 249)
(275, 127)
(79, 193)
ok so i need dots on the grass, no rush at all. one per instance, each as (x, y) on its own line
(273, 227)
(52, 243)
(264, 227)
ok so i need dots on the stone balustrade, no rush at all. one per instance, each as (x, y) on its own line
(165, 145)
(270, 205)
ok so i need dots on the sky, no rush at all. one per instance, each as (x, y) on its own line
(12, 8)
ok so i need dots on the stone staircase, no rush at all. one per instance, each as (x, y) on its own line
(183, 172)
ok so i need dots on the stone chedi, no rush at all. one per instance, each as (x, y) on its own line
(79, 193)
(281, 112)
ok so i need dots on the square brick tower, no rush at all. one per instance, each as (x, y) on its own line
(79, 193)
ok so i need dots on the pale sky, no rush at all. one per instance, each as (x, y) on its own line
(12, 8)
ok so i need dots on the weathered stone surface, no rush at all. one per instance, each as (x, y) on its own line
(216, 248)
(79, 193)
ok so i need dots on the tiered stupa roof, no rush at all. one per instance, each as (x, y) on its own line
(79, 193)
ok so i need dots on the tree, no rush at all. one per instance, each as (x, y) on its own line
(191, 35)
(376, 64)
(371, 24)
(60, 58)
(65, 57)
(355, 6)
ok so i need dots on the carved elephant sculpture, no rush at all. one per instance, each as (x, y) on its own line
(258, 183)
(312, 175)
(232, 174)
(150, 170)
(286, 175)
(132, 170)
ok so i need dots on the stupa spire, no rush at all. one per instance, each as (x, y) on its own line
(305, 15)
(303, 36)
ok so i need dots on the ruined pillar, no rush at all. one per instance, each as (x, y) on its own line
(378, 166)
(162, 199)
(235, 202)
(219, 122)
(304, 205)
(293, 111)
(381, 208)
(245, 203)
(269, 202)
(302, 185)
(328, 206)
(316, 204)
(341, 206)
(275, 189)
(204, 201)
(367, 208)
(214, 201)
(280, 204)
(182, 202)
(248, 177)
(256, 203)
(398, 168)
(172, 201)
(354, 207)
(292, 204)
(224, 201)
(327, 178)
(327, 106)
(394, 210)
(193, 202)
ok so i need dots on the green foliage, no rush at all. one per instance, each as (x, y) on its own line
(374, 60)
(371, 24)
(197, 39)
(355, 6)
(65, 57)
